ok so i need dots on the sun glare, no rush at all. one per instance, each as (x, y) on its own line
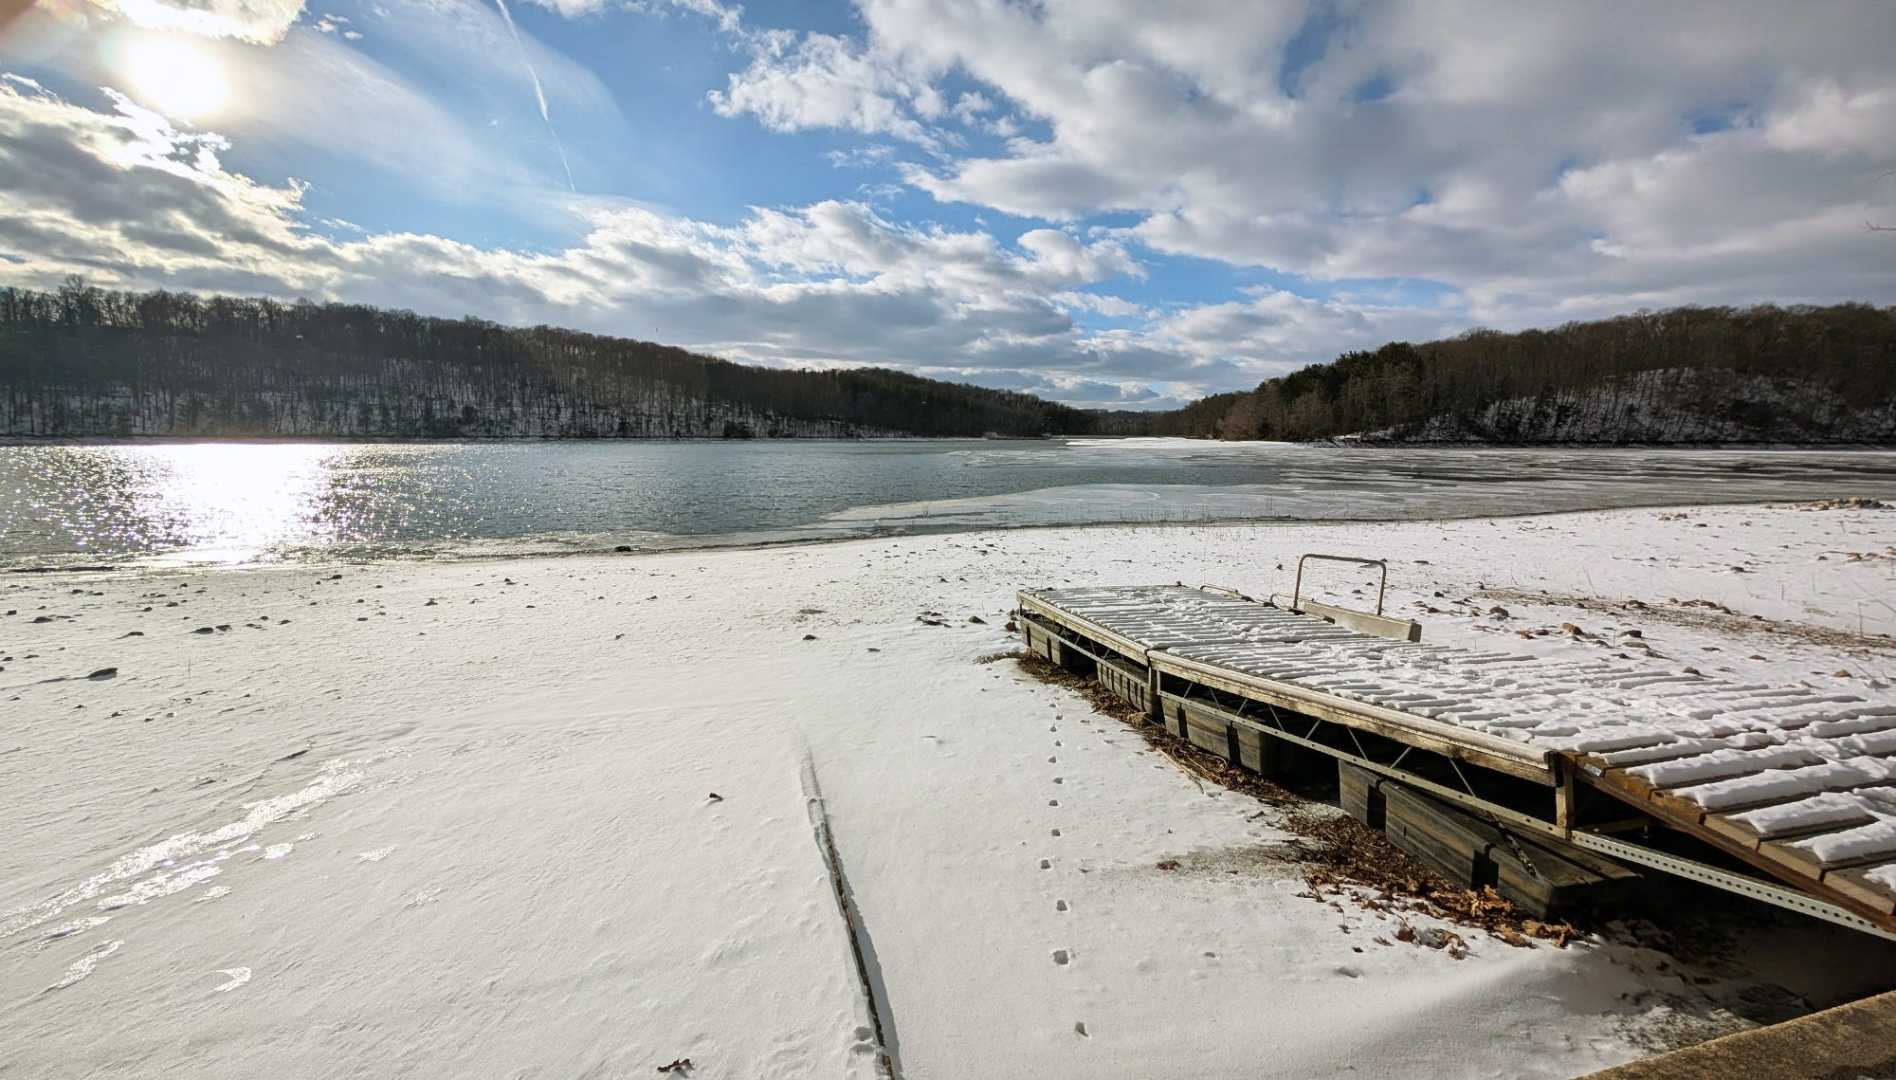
(175, 77)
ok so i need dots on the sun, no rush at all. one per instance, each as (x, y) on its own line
(175, 77)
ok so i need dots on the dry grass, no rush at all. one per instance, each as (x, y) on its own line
(1342, 859)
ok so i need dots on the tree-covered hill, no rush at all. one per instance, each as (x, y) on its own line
(90, 362)
(1759, 374)
(87, 362)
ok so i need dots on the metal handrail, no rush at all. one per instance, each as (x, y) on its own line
(1296, 592)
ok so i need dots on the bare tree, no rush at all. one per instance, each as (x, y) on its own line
(1873, 226)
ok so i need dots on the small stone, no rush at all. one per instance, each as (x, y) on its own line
(977, 620)
(1631, 633)
(809, 637)
(623, 548)
(205, 630)
(1840, 673)
(1571, 630)
(104, 673)
(42, 618)
(1498, 612)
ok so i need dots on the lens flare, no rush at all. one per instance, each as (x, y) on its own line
(176, 77)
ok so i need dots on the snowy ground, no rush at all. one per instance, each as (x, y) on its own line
(457, 819)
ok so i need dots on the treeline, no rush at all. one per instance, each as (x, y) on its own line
(1758, 374)
(84, 361)
(88, 362)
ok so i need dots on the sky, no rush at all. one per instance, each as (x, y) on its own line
(1110, 203)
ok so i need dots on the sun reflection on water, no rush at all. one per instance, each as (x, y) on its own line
(235, 503)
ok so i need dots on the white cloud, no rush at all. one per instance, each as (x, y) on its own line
(969, 106)
(128, 200)
(1546, 161)
(261, 21)
(861, 157)
(331, 23)
(804, 81)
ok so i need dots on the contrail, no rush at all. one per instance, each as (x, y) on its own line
(538, 94)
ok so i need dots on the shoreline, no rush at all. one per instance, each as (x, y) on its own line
(15, 441)
(607, 547)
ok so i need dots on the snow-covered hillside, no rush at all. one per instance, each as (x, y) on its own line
(1670, 406)
(378, 413)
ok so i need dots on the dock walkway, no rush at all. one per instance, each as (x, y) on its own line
(1797, 782)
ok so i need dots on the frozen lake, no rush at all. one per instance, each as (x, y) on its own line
(248, 502)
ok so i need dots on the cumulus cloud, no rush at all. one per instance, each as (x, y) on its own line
(1547, 162)
(332, 23)
(1404, 169)
(804, 81)
(128, 200)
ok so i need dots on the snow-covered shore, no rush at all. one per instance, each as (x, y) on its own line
(458, 819)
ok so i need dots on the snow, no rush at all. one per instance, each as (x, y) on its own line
(497, 851)
(1831, 809)
(1782, 783)
(1721, 764)
(1876, 840)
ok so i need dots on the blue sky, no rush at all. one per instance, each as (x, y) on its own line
(1108, 203)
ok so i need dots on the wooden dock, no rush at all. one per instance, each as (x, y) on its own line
(1783, 793)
